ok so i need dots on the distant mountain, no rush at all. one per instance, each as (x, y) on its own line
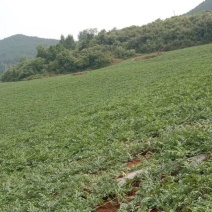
(204, 6)
(13, 48)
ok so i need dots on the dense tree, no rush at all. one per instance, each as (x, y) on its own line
(42, 51)
(94, 50)
(96, 57)
(68, 42)
(65, 62)
(24, 70)
(85, 37)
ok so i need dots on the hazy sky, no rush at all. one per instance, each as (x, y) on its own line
(51, 18)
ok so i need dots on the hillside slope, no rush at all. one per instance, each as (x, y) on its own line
(12, 48)
(204, 6)
(64, 141)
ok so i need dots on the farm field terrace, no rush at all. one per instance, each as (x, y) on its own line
(65, 140)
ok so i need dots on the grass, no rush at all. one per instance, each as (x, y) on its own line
(66, 135)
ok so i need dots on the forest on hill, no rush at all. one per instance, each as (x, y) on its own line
(204, 6)
(98, 49)
(20, 47)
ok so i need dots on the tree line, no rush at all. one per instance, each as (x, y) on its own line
(95, 49)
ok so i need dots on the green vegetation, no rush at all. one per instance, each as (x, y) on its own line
(95, 50)
(19, 48)
(204, 6)
(65, 140)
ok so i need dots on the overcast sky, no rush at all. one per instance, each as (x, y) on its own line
(51, 18)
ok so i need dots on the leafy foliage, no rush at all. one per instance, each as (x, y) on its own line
(25, 70)
(65, 140)
(68, 43)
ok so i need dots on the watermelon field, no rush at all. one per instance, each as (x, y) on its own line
(66, 141)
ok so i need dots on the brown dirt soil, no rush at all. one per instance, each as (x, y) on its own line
(131, 195)
(154, 210)
(116, 61)
(148, 56)
(80, 73)
(87, 191)
(164, 180)
(136, 184)
(137, 160)
(108, 207)
(145, 153)
(133, 162)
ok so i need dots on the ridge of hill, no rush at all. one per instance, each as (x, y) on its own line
(65, 140)
(16, 47)
(202, 7)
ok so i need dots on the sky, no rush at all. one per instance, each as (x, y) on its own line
(51, 18)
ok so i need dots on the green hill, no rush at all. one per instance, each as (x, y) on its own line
(64, 141)
(17, 46)
(204, 6)
(99, 49)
